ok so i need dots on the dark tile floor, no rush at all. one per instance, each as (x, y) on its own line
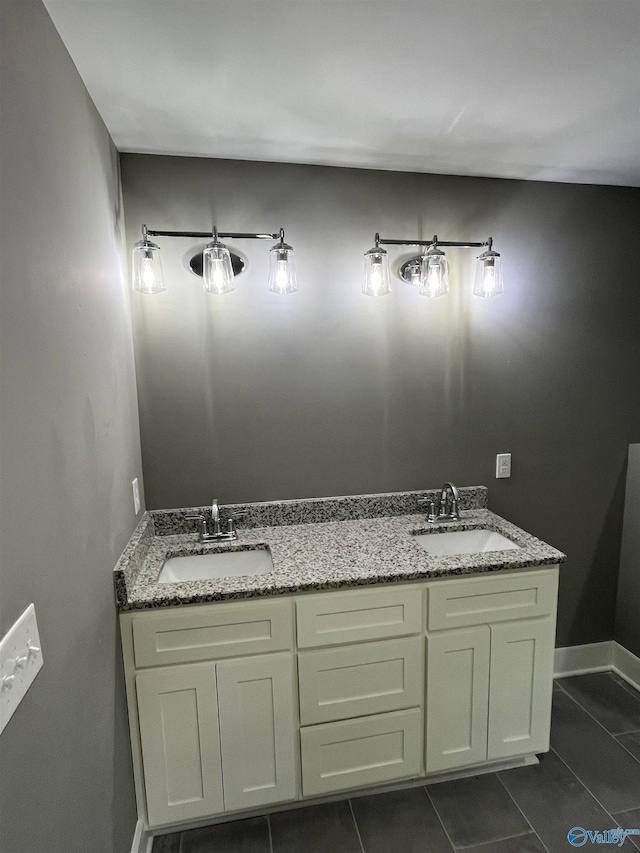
(590, 779)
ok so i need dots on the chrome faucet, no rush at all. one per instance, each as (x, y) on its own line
(450, 511)
(447, 511)
(215, 518)
(216, 534)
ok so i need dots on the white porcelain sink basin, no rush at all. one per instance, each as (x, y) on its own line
(464, 542)
(217, 564)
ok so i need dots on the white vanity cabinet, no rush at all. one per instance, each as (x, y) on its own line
(238, 706)
(490, 645)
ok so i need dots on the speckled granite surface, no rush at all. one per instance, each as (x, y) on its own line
(168, 522)
(316, 554)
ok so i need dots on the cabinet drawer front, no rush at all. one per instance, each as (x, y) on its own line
(335, 618)
(207, 632)
(483, 600)
(362, 752)
(369, 678)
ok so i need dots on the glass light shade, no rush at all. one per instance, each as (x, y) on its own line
(488, 280)
(376, 273)
(282, 270)
(434, 274)
(146, 268)
(217, 270)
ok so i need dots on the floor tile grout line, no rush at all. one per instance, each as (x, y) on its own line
(509, 794)
(499, 840)
(437, 813)
(586, 710)
(604, 729)
(629, 688)
(577, 701)
(624, 811)
(491, 840)
(270, 836)
(353, 816)
(629, 751)
(624, 683)
(585, 786)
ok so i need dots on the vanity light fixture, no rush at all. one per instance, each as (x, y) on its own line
(434, 272)
(430, 271)
(376, 271)
(217, 272)
(147, 275)
(217, 262)
(282, 268)
(488, 273)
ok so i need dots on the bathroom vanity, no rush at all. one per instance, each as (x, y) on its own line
(360, 660)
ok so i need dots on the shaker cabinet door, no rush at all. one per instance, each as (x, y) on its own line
(457, 698)
(521, 687)
(257, 730)
(178, 716)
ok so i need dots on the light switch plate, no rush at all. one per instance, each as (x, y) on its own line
(136, 495)
(20, 662)
(503, 465)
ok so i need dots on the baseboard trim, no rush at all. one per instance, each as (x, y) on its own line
(598, 657)
(626, 665)
(580, 660)
(142, 841)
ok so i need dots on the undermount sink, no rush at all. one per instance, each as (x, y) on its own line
(217, 564)
(453, 542)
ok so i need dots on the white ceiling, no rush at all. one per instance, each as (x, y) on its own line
(537, 89)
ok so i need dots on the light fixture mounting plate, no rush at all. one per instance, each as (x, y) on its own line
(237, 263)
(409, 268)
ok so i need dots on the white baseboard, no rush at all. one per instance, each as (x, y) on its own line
(142, 841)
(579, 660)
(626, 665)
(598, 657)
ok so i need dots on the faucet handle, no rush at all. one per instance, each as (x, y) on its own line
(203, 522)
(431, 508)
(231, 524)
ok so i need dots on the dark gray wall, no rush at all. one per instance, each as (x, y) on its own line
(252, 396)
(627, 625)
(69, 447)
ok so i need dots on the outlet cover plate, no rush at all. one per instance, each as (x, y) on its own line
(20, 662)
(503, 465)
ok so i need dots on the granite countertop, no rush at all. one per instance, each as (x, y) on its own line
(309, 553)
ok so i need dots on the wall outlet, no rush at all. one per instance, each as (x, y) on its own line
(20, 662)
(136, 496)
(503, 465)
